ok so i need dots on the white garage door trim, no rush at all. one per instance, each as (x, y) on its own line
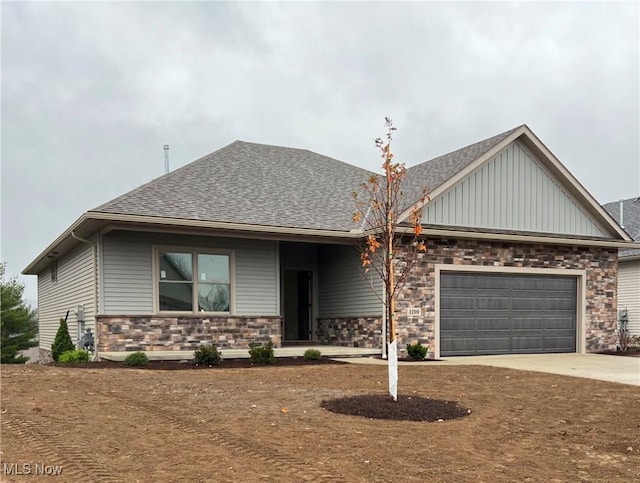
(580, 305)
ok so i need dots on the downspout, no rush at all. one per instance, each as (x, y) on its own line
(95, 290)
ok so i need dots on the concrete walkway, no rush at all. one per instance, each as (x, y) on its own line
(624, 370)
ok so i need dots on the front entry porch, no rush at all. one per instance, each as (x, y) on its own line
(293, 294)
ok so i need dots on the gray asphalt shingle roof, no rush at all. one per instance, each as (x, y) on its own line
(434, 172)
(252, 184)
(276, 186)
(630, 220)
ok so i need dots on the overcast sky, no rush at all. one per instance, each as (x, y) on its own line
(91, 92)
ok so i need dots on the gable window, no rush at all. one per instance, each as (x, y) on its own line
(193, 281)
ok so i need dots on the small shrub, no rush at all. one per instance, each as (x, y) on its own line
(634, 343)
(260, 354)
(312, 355)
(137, 359)
(207, 355)
(417, 351)
(625, 340)
(62, 342)
(74, 357)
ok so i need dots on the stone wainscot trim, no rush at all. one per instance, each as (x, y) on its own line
(119, 333)
(351, 331)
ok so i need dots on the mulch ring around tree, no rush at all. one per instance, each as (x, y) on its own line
(406, 408)
(184, 365)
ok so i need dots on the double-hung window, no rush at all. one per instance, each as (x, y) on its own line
(193, 280)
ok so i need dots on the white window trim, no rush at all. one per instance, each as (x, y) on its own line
(194, 251)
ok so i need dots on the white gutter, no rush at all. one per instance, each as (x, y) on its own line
(223, 225)
(522, 238)
(95, 290)
(65, 234)
(180, 222)
(311, 232)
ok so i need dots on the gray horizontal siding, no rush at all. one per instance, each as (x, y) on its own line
(511, 192)
(74, 287)
(256, 281)
(343, 291)
(128, 277)
(629, 292)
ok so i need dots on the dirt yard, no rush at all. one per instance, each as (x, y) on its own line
(266, 424)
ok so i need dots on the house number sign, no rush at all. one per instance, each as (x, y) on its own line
(414, 311)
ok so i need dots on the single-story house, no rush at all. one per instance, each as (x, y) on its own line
(257, 243)
(627, 213)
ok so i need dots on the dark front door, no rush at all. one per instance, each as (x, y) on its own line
(484, 313)
(297, 304)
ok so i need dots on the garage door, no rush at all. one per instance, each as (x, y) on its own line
(506, 313)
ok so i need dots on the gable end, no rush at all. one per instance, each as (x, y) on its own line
(512, 191)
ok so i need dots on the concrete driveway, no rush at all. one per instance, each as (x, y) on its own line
(624, 370)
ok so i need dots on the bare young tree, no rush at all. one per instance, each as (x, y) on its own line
(379, 209)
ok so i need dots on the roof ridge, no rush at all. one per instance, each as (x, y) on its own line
(434, 172)
(306, 150)
(502, 135)
(222, 186)
(161, 177)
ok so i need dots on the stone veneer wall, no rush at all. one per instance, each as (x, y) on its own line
(351, 331)
(166, 333)
(601, 265)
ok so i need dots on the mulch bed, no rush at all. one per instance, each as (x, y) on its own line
(407, 359)
(406, 408)
(190, 365)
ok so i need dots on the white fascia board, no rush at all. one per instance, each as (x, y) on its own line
(257, 231)
(54, 245)
(465, 172)
(473, 235)
(593, 204)
(223, 225)
(611, 224)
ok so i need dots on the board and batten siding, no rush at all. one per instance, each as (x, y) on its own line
(629, 292)
(512, 191)
(128, 271)
(343, 291)
(74, 286)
